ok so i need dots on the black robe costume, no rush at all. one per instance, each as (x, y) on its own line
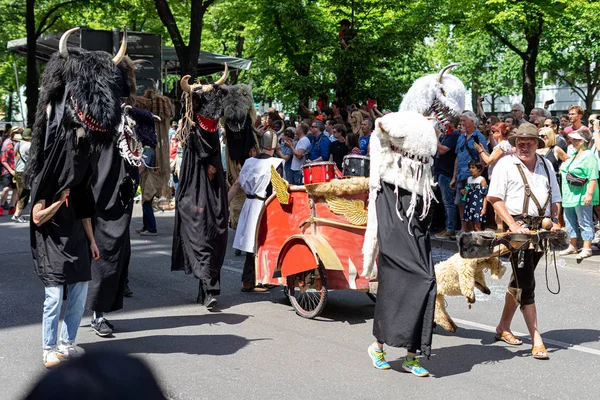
(200, 232)
(60, 248)
(113, 189)
(406, 293)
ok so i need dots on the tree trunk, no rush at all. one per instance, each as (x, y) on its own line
(31, 82)
(10, 105)
(529, 84)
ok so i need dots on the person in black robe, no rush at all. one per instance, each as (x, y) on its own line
(77, 115)
(201, 214)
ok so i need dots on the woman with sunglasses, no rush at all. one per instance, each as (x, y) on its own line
(500, 132)
(552, 152)
(554, 123)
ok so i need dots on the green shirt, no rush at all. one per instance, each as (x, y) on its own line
(585, 166)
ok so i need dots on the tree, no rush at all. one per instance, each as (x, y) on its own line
(575, 52)
(518, 25)
(186, 53)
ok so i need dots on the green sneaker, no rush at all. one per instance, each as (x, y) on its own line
(413, 366)
(378, 357)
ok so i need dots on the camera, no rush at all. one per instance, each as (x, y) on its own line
(476, 139)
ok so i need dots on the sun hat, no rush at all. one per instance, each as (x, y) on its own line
(17, 137)
(527, 130)
(26, 134)
(581, 134)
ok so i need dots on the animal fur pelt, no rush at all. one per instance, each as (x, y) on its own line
(458, 276)
(339, 187)
(92, 86)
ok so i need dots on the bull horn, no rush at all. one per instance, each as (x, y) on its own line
(222, 78)
(119, 56)
(62, 44)
(185, 86)
(141, 61)
(446, 68)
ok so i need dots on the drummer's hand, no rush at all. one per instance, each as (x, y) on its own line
(516, 228)
(555, 227)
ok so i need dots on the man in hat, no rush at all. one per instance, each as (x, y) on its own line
(254, 180)
(7, 172)
(21, 156)
(523, 210)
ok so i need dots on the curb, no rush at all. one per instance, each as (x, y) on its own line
(588, 264)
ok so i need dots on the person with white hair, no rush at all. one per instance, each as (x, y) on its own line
(518, 110)
(465, 152)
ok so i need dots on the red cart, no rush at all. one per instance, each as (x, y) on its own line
(309, 240)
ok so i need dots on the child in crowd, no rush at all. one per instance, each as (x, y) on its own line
(352, 143)
(474, 194)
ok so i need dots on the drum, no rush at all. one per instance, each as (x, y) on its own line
(318, 172)
(355, 165)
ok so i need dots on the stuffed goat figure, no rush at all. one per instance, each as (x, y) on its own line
(459, 276)
(403, 147)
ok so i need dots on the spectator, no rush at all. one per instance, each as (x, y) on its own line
(465, 152)
(444, 170)
(489, 122)
(327, 114)
(21, 157)
(336, 108)
(173, 128)
(551, 151)
(346, 33)
(511, 121)
(564, 121)
(535, 114)
(554, 123)
(320, 147)
(339, 149)
(299, 152)
(519, 112)
(352, 143)
(539, 122)
(365, 137)
(285, 153)
(7, 172)
(474, 196)
(356, 119)
(575, 115)
(580, 193)
(329, 123)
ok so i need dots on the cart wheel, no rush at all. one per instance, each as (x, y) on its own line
(307, 292)
(373, 297)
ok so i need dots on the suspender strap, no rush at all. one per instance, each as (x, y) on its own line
(529, 194)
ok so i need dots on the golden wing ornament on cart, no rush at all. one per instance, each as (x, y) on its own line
(353, 210)
(280, 186)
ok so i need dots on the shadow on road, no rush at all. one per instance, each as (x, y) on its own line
(176, 321)
(215, 345)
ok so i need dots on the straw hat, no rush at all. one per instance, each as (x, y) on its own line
(26, 134)
(527, 130)
(17, 137)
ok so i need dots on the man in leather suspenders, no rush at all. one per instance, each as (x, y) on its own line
(523, 191)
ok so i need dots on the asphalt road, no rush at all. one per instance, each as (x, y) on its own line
(255, 347)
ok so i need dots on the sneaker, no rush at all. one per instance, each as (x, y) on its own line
(148, 233)
(1, 211)
(18, 219)
(584, 253)
(237, 252)
(50, 358)
(68, 351)
(378, 357)
(101, 327)
(445, 235)
(413, 366)
(569, 250)
(210, 301)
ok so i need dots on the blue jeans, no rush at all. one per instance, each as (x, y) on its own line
(148, 217)
(77, 294)
(297, 177)
(448, 195)
(580, 220)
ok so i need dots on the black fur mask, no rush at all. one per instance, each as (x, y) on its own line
(238, 105)
(92, 87)
(207, 100)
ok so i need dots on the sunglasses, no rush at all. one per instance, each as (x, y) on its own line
(543, 136)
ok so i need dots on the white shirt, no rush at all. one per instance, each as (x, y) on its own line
(508, 186)
(303, 144)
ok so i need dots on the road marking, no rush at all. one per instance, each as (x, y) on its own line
(558, 343)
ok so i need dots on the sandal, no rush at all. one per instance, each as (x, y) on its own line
(508, 337)
(539, 352)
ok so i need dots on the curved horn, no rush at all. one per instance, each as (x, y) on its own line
(119, 56)
(62, 44)
(185, 86)
(446, 68)
(141, 61)
(222, 78)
